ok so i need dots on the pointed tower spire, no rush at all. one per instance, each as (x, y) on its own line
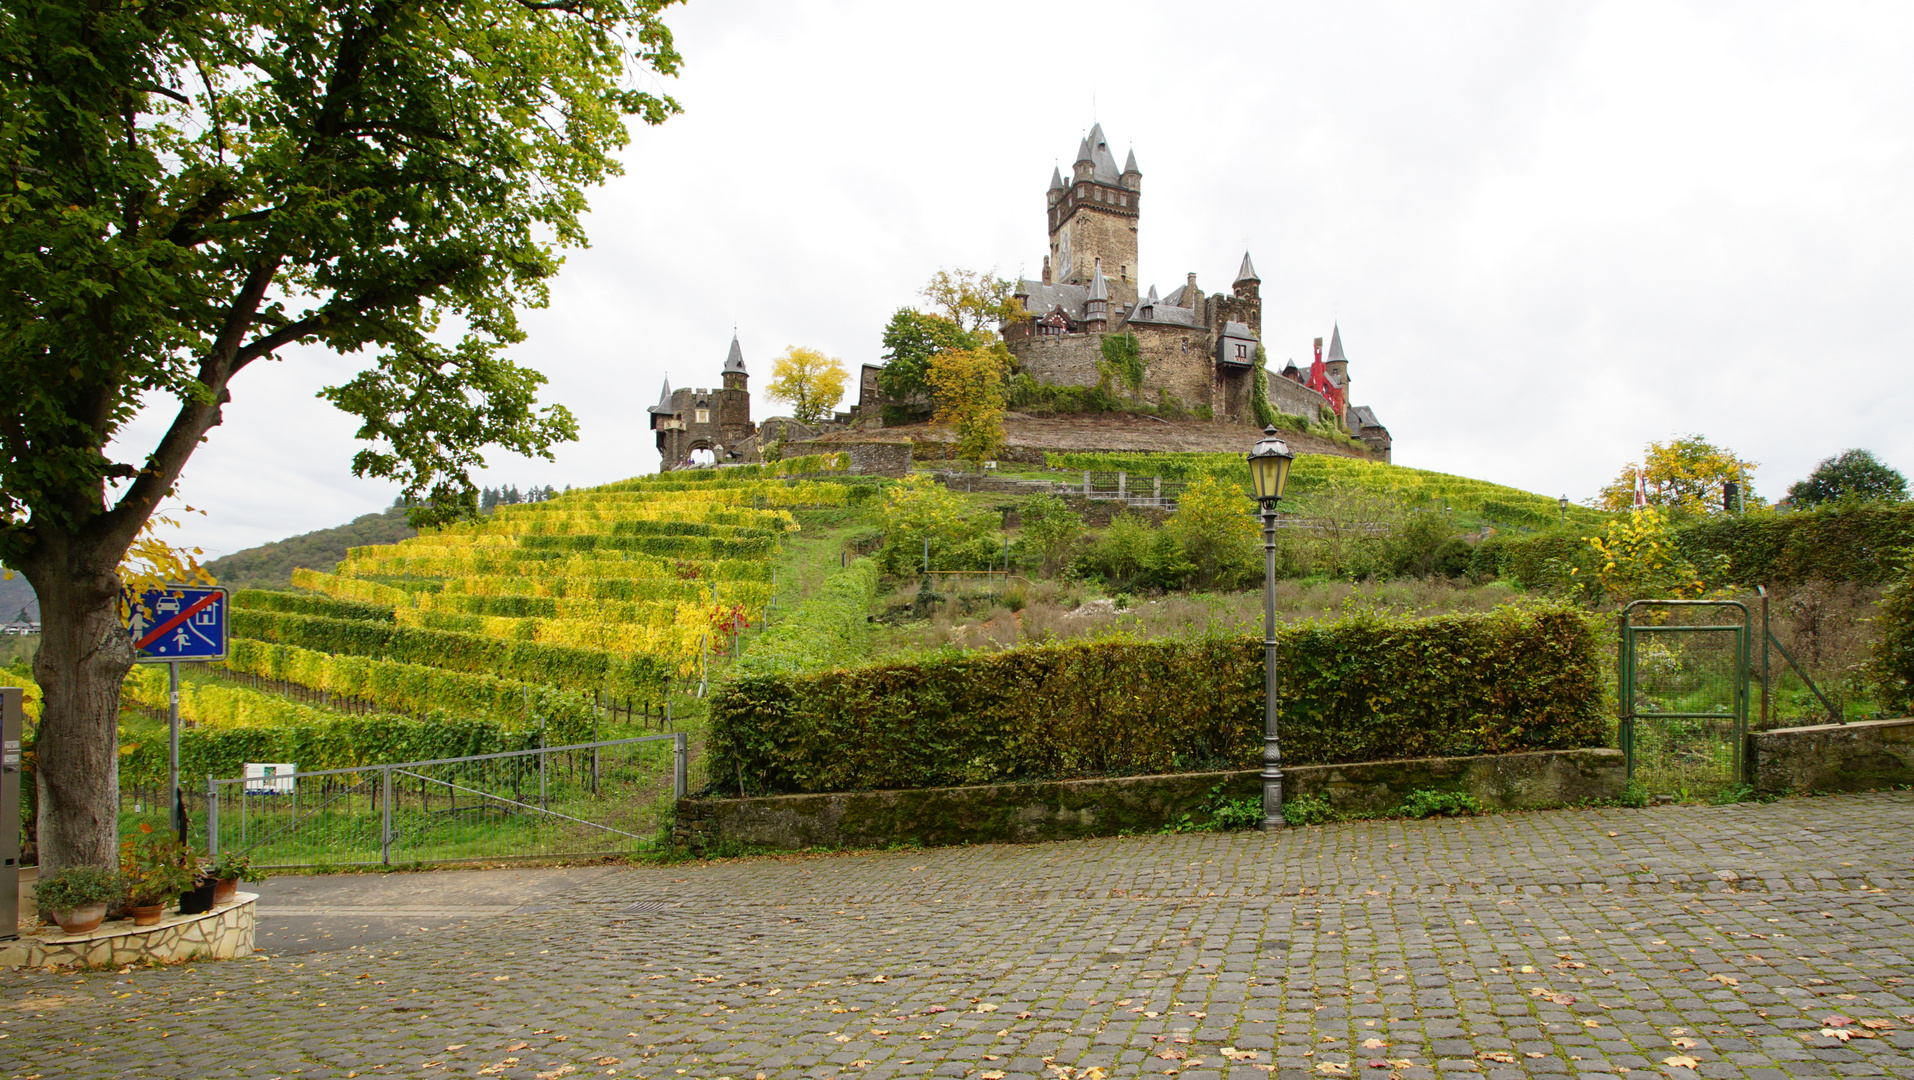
(1335, 344)
(1129, 164)
(1248, 271)
(664, 399)
(1056, 180)
(1099, 289)
(735, 361)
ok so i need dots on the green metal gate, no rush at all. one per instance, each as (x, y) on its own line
(1684, 672)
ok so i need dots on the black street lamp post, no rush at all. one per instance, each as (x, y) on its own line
(1269, 463)
(1563, 503)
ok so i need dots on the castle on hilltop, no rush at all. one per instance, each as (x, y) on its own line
(1200, 352)
(692, 423)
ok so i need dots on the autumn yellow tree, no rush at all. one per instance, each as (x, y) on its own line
(1686, 474)
(972, 300)
(810, 381)
(968, 387)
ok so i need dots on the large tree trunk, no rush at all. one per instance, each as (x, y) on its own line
(84, 656)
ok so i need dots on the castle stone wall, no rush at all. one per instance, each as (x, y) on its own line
(1178, 363)
(1070, 360)
(1294, 399)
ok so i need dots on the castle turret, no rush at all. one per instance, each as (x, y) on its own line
(1336, 366)
(1057, 187)
(734, 374)
(1096, 306)
(1132, 176)
(1085, 164)
(1248, 286)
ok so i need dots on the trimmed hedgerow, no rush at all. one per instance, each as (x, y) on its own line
(528, 661)
(1893, 666)
(306, 604)
(1365, 688)
(1833, 543)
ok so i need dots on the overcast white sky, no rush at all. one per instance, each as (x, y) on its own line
(1551, 232)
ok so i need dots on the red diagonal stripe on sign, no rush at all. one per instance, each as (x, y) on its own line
(174, 621)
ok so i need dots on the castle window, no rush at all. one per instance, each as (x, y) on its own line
(704, 416)
(1242, 351)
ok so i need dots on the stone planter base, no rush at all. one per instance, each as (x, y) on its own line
(220, 934)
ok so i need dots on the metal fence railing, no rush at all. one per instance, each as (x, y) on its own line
(587, 799)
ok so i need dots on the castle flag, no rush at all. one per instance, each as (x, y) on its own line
(1641, 491)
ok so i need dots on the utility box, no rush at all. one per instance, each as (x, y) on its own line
(12, 720)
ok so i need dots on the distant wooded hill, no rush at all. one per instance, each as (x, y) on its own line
(16, 594)
(270, 566)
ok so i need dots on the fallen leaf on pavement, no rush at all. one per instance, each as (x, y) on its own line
(1725, 980)
(1332, 1068)
(1877, 1023)
(1373, 1044)
(986, 1007)
(1685, 1044)
(554, 1074)
(994, 1074)
(1502, 1056)
(1680, 1061)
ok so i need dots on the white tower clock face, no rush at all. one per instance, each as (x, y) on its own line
(1063, 253)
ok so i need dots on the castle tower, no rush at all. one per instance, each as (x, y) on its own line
(1336, 366)
(1093, 219)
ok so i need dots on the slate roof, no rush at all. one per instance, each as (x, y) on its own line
(1238, 330)
(1129, 166)
(734, 362)
(1362, 417)
(1099, 289)
(1040, 299)
(1056, 179)
(1151, 311)
(1335, 345)
(664, 400)
(1097, 149)
(1248, 271)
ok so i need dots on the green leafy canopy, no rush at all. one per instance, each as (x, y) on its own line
(191, 187)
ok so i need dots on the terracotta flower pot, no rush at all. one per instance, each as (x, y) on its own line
(146, 914)
(80, 920)
(224, 889)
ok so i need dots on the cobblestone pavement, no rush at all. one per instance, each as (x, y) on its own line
(1759, 941)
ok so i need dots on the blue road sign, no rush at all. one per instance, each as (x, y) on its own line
(178, 622)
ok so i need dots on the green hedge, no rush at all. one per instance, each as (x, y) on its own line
(1365, 688)
(1893, 667)
(830, 629)
(677, 547)
(527, 661)
(1834, 543)
(319, 740)
(309, 604)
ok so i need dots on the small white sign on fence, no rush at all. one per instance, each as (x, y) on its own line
(272, 779)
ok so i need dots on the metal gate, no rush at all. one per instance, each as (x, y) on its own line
(1684, 668)
(601, 798)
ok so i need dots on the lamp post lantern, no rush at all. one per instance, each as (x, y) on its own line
(1269, 462)
(1563, 503)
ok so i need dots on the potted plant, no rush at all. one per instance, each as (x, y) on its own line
(156, 869)
(76, 896)
(227, 871)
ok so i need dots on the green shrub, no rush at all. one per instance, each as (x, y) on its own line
(1233, 815)
(1366, 688)
(1426, 803)
(75, 887)
(1309, 810)
(1892, 668)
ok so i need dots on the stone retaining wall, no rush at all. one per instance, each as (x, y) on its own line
(1068, 809)
(220, 934)
(1860, 756)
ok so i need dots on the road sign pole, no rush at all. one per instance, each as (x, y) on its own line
(172, 760)
(173, 751)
